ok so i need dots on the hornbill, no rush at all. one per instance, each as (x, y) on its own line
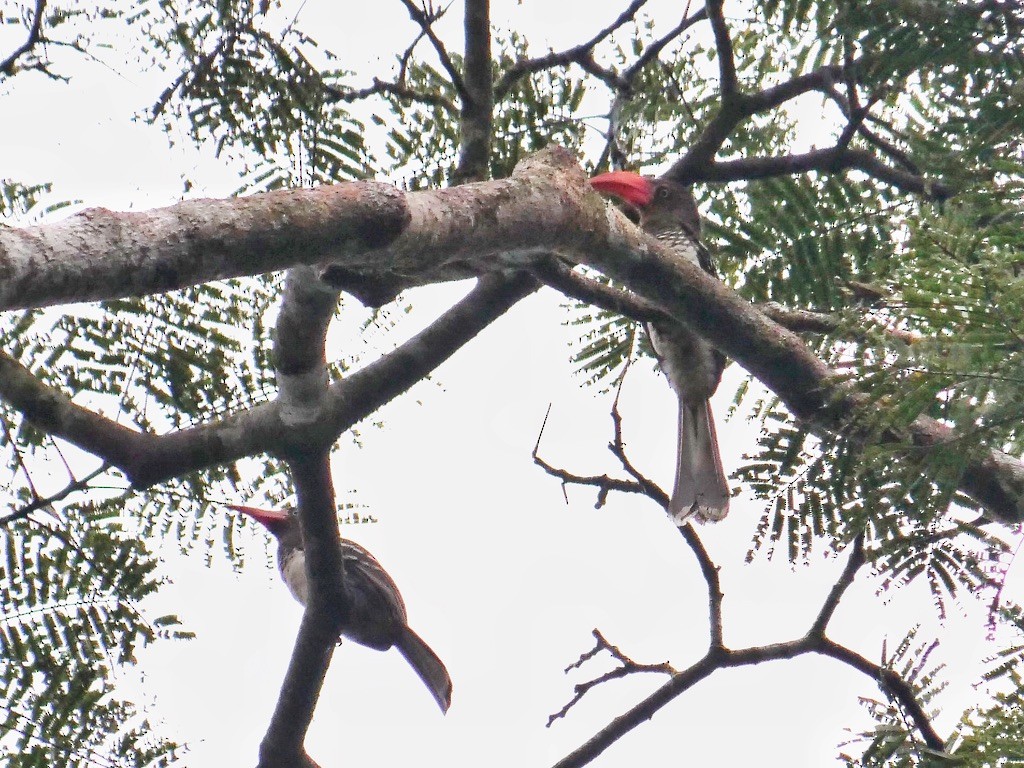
(668, 211)
(376, 615)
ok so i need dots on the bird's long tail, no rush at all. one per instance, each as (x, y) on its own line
(700, 488)
(428, 666)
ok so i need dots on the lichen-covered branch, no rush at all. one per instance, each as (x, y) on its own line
(546, 207)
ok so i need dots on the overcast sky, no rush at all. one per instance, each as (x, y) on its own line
(502, 577)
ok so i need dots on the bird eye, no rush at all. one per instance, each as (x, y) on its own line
(662, 193)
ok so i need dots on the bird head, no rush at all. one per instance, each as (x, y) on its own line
(662, 204)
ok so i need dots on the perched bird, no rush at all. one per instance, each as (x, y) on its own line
(377, 617)
(668, 211)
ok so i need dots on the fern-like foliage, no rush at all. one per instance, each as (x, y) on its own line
(71, 588)
(267, 97)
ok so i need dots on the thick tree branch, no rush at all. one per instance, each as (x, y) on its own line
(576, 285)
(424, 236)
(427, 236)
(99, 254)
(300, 362)
(366, 390)
(53, 412)
(300, 358)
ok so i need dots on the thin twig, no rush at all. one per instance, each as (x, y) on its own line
(425, 17)
(574, 55)
(626, 667)
(67, 490)
(652, 51)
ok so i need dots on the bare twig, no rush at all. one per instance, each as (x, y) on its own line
(604, 483)
(626, 667)
(719, 657)
(618, 449)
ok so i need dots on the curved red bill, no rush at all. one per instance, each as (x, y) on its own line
(626, 185)
(266, 516)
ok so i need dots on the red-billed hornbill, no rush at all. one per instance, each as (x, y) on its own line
(376, 617)
(668, 211)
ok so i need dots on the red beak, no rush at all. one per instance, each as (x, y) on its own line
(269, 517)
(625, 185)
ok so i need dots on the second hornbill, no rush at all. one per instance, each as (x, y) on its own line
(376, 612)
(668, 211)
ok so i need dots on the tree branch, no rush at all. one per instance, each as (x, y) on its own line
(891, 683)
(564, 279)
(41, 503)
(719, 657)
(828, 608)
(35, 35)
(397, 88)
(426, 17)
(580, 54)
(641, 712)
(830, 160)
(53, 412)
(710, 572)
(475, 125)
(723, 44)
(322, 620)
(651, 52)
(626, 667)
(300, 362)
(545, 207)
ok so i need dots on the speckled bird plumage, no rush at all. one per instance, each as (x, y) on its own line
(376, 612)
(668, 211)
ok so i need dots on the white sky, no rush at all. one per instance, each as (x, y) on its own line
(501, 576)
